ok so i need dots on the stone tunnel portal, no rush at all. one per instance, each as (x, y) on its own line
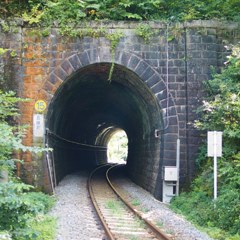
(87, 109)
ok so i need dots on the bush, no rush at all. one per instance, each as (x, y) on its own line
(18, 206)
(42, 203)
(45, 226)
(21, 207)
(15, 212)
(196, 206)
(72, 11)
(227, 211)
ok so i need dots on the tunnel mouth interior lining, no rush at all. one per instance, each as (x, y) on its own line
(88, 109)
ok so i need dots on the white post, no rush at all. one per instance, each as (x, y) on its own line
(178, 166)
(215, 165)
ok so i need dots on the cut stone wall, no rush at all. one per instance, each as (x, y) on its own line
(172, 65)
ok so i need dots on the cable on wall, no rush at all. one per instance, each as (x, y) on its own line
(167, 80)
(99, 148)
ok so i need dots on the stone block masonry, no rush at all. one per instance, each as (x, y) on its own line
(171, 66)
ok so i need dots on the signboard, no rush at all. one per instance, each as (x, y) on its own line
(214, 143)
(170, 174)
(38, 125)
(215, 150)
(40, 106)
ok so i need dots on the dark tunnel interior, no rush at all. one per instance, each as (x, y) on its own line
(87, 109)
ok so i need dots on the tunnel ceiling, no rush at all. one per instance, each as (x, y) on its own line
(87, 103)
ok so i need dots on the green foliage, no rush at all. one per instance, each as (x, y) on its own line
(220, 111)
(145, 31)
(18, 206)
(17, 210)
(3, 51)
(114, 39)
(42, 203)
(135, 202)
(227, 210)
(21, 207)
(11, 135)
(73, 11)
(45, 226)
(34, 16)
(13, 53)
(118, 147)
(115, 207)
(8, 103)
(5, 27)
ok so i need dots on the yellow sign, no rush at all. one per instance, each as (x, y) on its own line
(40, 106)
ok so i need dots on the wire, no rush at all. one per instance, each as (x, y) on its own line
(167, 87)
(167, 83)
(73, 142)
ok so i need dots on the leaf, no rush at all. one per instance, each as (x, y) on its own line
(132, 16)
(93, 6)
(170, 38)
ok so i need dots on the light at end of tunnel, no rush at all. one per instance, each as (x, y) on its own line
(118, 147)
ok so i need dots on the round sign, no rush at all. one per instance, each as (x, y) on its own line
(40, 105)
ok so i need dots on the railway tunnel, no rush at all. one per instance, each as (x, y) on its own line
(87, 109)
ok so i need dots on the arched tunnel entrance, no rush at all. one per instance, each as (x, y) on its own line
(87, 109)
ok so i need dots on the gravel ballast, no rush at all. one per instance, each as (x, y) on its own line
(75, 214)
(77, 219)
(160, 213)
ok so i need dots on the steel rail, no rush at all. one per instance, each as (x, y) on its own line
(158, 233)
(105, 226)
(156, 230)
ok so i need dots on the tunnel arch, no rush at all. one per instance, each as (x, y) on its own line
(135, 101)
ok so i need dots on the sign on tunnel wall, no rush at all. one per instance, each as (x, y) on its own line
(38, 125)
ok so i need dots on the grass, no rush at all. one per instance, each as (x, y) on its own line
(144, 210)
(45, 225)
(218, 234)
(159, 223)
(134, 238)
(135, 202)
(115, 206)
(140, 222)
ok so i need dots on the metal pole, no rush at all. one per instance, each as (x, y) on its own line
(50, 172)
(215, 165)
(49, 164)
(178, 165)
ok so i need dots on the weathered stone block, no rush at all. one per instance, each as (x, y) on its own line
(67, 67)
(74, 60)
(61, 73)
(125, 58)
(83, 58)
(209, 39)
(141, 68)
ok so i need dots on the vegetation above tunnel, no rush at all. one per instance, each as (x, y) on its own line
(73, 11)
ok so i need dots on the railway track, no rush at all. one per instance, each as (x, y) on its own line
(119, 219)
